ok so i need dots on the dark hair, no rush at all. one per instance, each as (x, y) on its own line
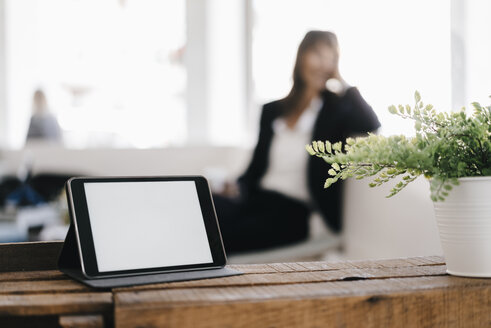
(311, 39)
(39, 102)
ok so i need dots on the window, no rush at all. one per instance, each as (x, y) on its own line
(112, 70)
(153, 73)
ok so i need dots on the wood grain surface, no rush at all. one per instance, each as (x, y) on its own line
(34, 294)
(85, 321)
(413, 292)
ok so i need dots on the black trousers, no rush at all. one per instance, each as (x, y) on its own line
(264, 219)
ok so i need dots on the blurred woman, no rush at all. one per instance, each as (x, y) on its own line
(283, 185)
(43, 124)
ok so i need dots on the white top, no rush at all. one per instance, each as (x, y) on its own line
(287, 169)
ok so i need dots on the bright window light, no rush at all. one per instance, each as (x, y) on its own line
(389, 49)
(112, 70)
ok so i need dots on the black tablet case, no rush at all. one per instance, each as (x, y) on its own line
(69, 263)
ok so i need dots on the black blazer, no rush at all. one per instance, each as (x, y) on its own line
(339, 118)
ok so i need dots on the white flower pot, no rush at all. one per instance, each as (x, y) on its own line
(464, 223)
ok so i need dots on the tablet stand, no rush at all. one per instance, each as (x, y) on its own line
(69, 263)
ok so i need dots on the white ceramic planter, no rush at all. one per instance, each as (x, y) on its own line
(464, 224)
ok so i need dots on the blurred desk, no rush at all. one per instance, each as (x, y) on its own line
(15, 227)
(414, 292)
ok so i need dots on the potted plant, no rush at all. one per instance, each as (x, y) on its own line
(453, 151)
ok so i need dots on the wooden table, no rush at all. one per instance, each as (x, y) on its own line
(34, 294)
(414, 292)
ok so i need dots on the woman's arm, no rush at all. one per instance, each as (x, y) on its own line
(257, 166)
(362, 118)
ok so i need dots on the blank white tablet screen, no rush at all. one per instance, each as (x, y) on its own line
(137, 225)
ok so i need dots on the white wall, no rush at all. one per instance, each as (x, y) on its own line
(197, 71)
(216, 70)
(380, 227)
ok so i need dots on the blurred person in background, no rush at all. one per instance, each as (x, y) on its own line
(43, 125)
(283, 186)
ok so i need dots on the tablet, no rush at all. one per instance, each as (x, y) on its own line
(139, 225)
